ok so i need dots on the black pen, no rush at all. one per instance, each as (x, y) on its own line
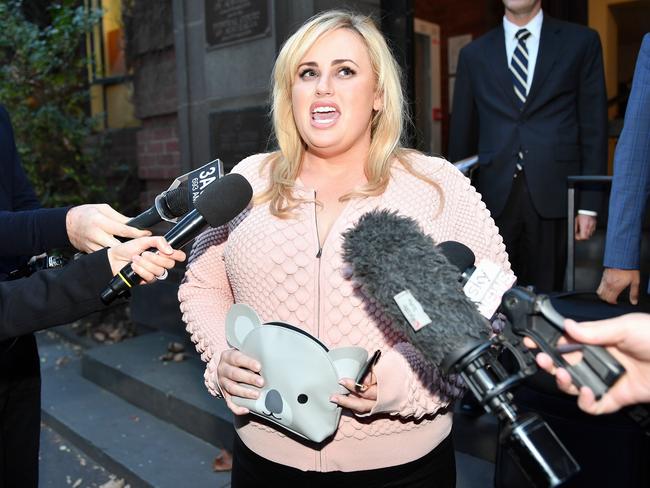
(358, 383)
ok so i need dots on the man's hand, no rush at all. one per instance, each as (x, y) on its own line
(584, 226)
(627, 338)
(615, 280)
(146, 264)
(92, 227)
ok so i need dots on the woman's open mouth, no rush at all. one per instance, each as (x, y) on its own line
(324, 115)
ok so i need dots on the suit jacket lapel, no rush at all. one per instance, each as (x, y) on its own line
(496, 57)
(549, 46)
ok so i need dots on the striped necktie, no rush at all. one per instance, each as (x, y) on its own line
(519, 66)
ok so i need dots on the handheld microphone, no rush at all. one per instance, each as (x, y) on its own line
(219, 203)
(390, 255)
(169, 205)
(400, 268)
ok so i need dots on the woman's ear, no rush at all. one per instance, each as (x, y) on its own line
(378, 102)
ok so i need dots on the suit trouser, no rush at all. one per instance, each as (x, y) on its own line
(20, 412)
(536, 246)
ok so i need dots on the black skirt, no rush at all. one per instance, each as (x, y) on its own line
(437, 469)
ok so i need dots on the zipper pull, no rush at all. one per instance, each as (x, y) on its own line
(319, 253)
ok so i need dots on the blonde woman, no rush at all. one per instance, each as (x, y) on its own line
(338, 115)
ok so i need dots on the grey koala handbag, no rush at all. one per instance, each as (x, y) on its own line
(300, 373)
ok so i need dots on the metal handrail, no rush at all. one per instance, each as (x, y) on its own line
(466, 165)
(572, 182)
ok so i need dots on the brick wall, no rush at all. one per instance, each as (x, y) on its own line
(150, 46)
(159, 160)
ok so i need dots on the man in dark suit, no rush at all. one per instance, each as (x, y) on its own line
(87, 227)
(530, 99)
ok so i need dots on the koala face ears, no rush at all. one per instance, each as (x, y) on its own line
(348, 361)
(240, 321)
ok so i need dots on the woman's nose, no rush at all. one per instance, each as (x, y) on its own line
(324, 86)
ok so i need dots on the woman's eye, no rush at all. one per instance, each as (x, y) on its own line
(307, 74)
(346, 72)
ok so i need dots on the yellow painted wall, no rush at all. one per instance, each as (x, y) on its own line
(113, 103)
(121, 111)
(602, 20)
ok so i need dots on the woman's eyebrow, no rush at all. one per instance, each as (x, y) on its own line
(314, 64)
(341, 61)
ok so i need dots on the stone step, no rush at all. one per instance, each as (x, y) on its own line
(172, 391)
(126, 440)
(473, 453)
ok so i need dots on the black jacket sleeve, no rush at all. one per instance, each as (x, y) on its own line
(31, 232)
(53, 297)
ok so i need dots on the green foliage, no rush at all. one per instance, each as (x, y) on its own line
(44, 86)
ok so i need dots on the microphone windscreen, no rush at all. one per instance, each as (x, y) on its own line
(388, 254)
(224, 199)
(457, 254)
(177, 201)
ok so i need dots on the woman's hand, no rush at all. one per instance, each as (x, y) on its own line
(92, 227)
(360, 400)
(235, 368)
(146, 264)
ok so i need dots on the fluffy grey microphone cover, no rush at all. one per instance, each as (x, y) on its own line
(389, 253)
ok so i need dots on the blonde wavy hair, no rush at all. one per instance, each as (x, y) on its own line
(387, 125)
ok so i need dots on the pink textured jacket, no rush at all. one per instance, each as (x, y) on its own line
(273, 265)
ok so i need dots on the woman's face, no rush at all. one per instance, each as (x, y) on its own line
(333, 94)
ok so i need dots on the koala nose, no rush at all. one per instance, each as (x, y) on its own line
(273, 401)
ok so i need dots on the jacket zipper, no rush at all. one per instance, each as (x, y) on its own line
(319, 253)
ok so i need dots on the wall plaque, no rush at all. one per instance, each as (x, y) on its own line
(231, 21)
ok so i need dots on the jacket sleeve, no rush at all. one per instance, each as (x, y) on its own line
(631, 184)
(205, 297)
(33, 231)
(409, 385)
(463, 132)
(592, 120)
(53, 297)
(466, 219)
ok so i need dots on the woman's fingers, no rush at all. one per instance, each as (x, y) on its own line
(236, 372)
(236, 409)
(358, 400)
(239, 359)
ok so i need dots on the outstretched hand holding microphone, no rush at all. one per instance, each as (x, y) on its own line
(417, 285)
(57, 296)
(219, 203)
